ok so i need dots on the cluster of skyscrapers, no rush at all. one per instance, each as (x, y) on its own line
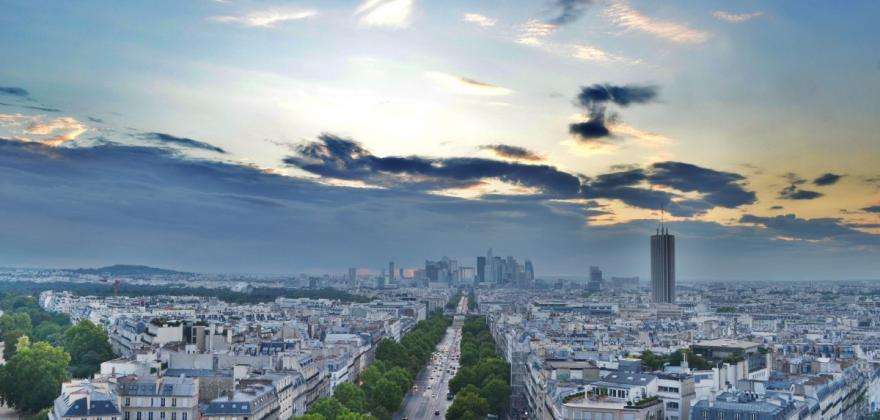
(504, 271)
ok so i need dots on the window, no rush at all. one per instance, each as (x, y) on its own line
(162, 415)
(127, 401)
(174, 402)
(672, 405)
(174, 416)
(183, 415)
(127, 415)
(138, 415)
(150, 415)
(162, 402)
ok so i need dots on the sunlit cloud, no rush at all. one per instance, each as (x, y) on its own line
(735, 17)
(626, 130)
(464, 86)
(479, 19)
(625, 16)
(52, 132)
(385, 13)
(534, 31)
(266, 18)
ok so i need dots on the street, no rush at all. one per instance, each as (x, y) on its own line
(428, 397)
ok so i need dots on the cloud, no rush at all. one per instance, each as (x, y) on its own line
(182, 141)
(735, 17)
(32, 107)
(595, 99)
(14, 91)
(724, 189)
(266, 18)
(591, 53)
(793, 227)
(344, 159)
(622, 129)
(385, 13)
(341, 158)
(512, 152)
(621, 14)
(37, 128)
(569, 11)
(99, 205)
(872, 209)
(596, 94)
(793, 192)
(534, 31)
(465, 86)
(827, 179)
(479, 19)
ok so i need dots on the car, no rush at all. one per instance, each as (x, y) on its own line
(429, 386)
(436, 412)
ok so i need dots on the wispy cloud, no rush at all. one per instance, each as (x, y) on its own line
(183, 141)
(625, 16)
(465, 86)
(479, 19)
(385, 13)
(626, 130)
(534, 31)
(735, 17)
(266, 18)
(595, 54)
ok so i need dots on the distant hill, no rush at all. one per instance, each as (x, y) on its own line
(128, 270)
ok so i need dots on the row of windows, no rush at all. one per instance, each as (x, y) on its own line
(139, 416)
(734, 416)
(668, 389)
(162, 401)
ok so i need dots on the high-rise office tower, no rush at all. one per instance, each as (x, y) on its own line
(481, 269)
(392, 272)
(663, 266)
(530, 273)
(595, 283)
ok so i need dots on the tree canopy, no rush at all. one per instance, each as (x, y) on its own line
(31, 379)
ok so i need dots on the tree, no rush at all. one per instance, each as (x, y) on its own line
(49, 332)
(401, 378)
(14, 326)
(328, 407)
(89, 346)
(468, 405)
(352, 397)
(496, 392)
(32, 378)
(387, 395)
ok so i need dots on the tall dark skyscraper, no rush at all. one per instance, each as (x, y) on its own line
(663, 266)
(481, 269)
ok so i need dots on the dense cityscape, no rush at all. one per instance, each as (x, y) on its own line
(439, 210)
(449, 340)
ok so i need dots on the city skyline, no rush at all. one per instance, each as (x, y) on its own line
(295, 136)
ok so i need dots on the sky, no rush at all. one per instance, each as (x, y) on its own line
(286, 136)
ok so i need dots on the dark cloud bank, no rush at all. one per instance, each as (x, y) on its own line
(90, 206)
